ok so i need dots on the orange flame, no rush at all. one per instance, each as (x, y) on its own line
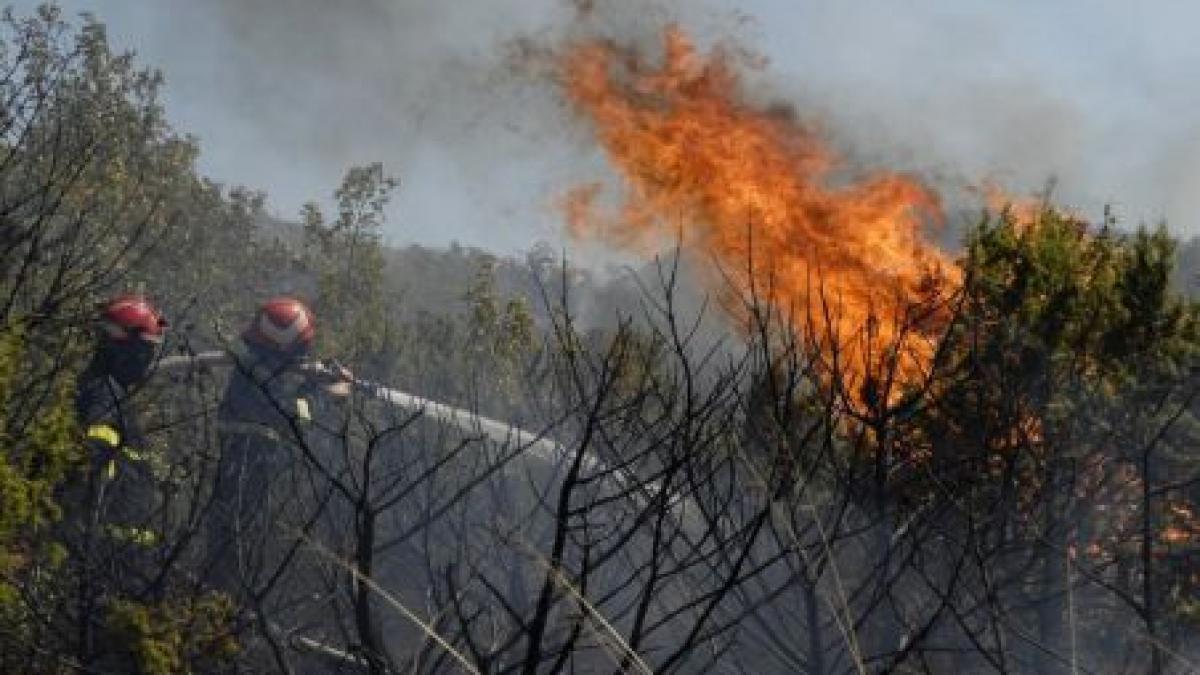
(756, 192)
(1025, 212)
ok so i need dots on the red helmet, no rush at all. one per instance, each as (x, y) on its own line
(126, 318)
(283, 324)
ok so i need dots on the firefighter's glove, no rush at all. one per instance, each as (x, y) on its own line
(340, 378)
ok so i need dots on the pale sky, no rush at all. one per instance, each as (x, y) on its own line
(285, 94)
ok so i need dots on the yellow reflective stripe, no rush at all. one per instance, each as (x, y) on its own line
(104, 433)
(110, 469)
(302, 410)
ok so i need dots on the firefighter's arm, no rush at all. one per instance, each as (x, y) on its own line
(344, 382)
(333, 378)
(104, 442)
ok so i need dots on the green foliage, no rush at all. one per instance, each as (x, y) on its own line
(1056, 320)
(175, 636)
(1055, 291)
(99, 195)
(500, 330)
(89, 168)
(1065, 344)
(38, 448)
(1069, 365)
(215, 263)
(346, 256)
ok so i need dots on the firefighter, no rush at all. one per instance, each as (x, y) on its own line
(108, 506)
(129, 335)
(266, 424)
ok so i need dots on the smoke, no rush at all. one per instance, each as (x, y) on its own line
(1093, 98)
(324, 77)
(416, 85)
(1092, 95)
(285, 96)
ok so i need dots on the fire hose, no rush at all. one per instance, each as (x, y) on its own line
(465, 420)
(539, 445)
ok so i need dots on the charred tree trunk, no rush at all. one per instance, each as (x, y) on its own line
(1149, 601)
(364, 615)
(816, 642)
(1052, 588)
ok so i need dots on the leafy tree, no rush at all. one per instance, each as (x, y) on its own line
(91, 182)
(1066, 367)
(39, 450)
(346, 256)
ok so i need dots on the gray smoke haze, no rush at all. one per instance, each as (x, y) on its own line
(1096, 95)
(285, 95)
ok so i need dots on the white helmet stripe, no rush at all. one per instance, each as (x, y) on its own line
(114, 330)
(126, 304)
(284, 337)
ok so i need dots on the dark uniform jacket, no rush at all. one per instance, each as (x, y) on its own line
(266, 396)
(102, 406)
(107, 525)
(264, 421)
(119, 481)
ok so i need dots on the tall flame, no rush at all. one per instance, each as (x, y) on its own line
(761, 195)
